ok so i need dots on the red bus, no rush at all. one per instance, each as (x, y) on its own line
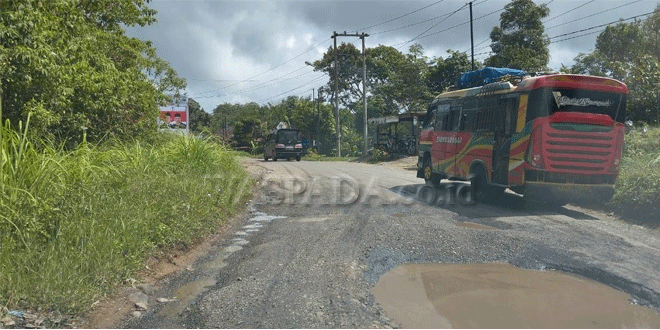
(554, 137)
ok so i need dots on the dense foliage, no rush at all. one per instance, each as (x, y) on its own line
(396, 83)
(520, 42)
(70, 65)
(638, 184)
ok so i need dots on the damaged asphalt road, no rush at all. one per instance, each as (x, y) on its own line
(319, 235)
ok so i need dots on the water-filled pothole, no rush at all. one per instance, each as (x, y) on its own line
(473, 225)
(503, 296)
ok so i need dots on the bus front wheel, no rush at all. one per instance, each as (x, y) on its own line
(430, 177)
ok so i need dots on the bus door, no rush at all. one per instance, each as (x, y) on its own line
(505, 123)
(438, 148)
(453, 140)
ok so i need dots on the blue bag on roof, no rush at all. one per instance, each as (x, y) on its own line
(484, 76)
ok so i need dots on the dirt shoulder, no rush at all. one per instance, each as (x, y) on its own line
(110, 311)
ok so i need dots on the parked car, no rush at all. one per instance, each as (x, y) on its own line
(283, 143)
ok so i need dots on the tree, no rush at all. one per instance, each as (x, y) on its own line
(399, 78)
(644, 84)
(593, 64)
(520, 42)
(348, 75)
(404, 78)
(444, 73)
(617, 48)
(628, 52)
(198, 119)
(70, 67)
(247, 131)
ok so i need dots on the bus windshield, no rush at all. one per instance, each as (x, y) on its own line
(579, 100)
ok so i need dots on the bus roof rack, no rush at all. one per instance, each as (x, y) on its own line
(487, 75)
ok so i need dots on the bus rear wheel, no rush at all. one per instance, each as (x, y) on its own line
(479, 184)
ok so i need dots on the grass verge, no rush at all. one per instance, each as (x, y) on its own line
(637, 189)
(76, 223)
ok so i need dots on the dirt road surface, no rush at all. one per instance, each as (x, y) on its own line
(319, 236)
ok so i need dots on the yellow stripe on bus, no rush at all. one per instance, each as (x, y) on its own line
(522, 112)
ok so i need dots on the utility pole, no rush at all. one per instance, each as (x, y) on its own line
(318, 120)
(364, 95)
(316, 134)
(337, 128)
(471, 36)
(364, 87)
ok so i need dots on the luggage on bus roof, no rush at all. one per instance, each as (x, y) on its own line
(484, 76)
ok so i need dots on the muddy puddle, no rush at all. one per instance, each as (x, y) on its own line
(473, 225)
(503, 296)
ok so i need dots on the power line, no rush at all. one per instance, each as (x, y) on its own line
(457, 25)
(419, 36)
(568, 11)
(421, 22)
(271, 69)
(601, 25)
(411, 25)
(545, 4)
(434, 25)
(264, 84)
(580, 36)
(583, 30)
(399, 17)
(305, 85)
(602, 12)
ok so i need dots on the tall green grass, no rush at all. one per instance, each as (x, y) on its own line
(638, 184)
(73, 224)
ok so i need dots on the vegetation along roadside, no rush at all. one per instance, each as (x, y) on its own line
(77, 223)
(637, 191)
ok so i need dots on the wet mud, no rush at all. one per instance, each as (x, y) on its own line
(503, 296)
(474, 225)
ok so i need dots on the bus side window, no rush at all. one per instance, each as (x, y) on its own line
(482, 122)
(468, 121)
(431, 123)
(495, 119)
(439, 121)
(454, 120)
(512, 116)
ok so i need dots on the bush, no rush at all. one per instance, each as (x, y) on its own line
(74, 224)
(379, 155)
(638, 184)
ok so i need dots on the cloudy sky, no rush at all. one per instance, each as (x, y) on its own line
(233, 51)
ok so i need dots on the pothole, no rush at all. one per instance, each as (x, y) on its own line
(473, 225)
(503, 296)
(312, 219)
(189, 292)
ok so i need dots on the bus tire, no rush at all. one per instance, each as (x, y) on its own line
(429, 177)
(479, 183)
(298, 158)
